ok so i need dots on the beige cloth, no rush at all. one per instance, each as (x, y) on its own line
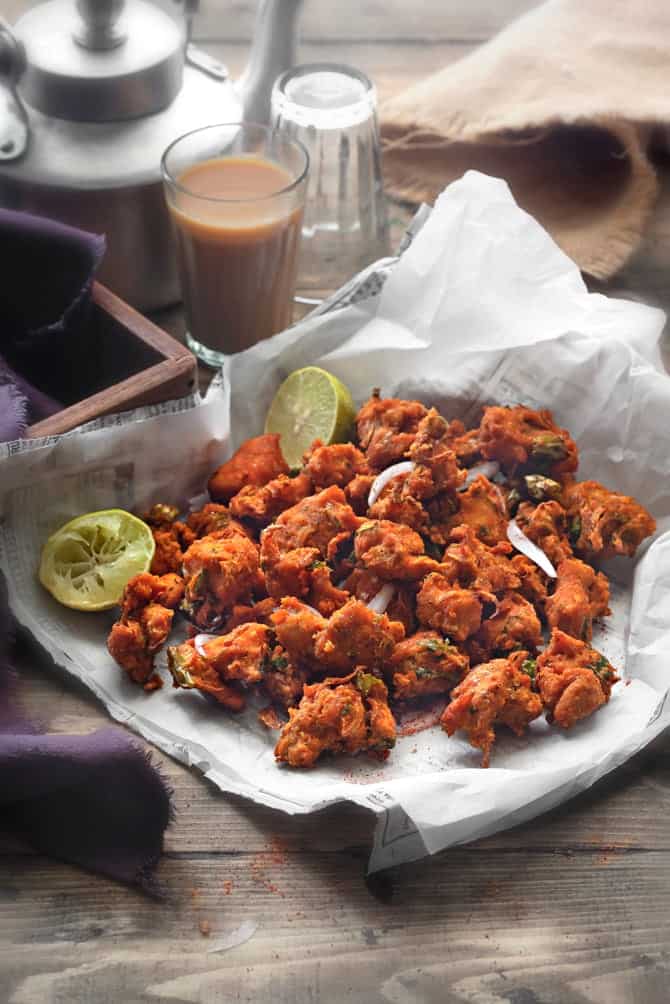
(563, 105)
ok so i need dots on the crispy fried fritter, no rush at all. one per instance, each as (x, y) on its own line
(424, 664)
(392, 551)
(191, 671)
(495, 693)
(482, 507)
(356, 636)
(464, 442)
(436, 468)
(219, 571)
(358, 491)
(386, 429)
(243, 613)
(603, 523)
(479, 566)
(533, 582)
(239, 656)
(402, 606)
(323, 595)
(446, 607)
(147, 609)
(284, 680)
(337, 464)
(297, 626)
(573, 679)
(514, 625)
(546, 525)
(396, 505)
(257, 461)
(580, 595)
(214, 518)
(349, 715)
(519, 437)
(263, 503)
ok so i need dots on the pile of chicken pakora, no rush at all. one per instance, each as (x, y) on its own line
(382, 571)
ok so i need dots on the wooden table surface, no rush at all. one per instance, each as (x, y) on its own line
(569, 909)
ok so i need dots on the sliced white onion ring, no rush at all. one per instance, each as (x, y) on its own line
(381, 600)
(489, 468)
(381, 481)
(202, 639)
(198, 501)
(518, 538)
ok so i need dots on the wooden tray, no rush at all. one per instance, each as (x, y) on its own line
(134, 363)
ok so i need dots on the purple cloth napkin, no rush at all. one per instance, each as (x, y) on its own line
(95, 800)
(45, 287)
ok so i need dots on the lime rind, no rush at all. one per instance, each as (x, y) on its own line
(87, 562)
(310, 404)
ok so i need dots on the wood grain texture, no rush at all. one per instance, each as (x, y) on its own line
(570, 908)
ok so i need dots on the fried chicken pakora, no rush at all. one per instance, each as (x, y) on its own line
(481, 506)
(446, 607)
(546, 525)
(386, 429)
(257, 461)
(573, 679)
(604, 523)
(581, 594)
(356, 636)
(494, 693)
(479, 566)
(436, 469)
(337, 464)
(514, 625)
(519, 437)
(147, 610)
(425, 664)
(191, 671)
(392, 550)
(261, 504)
(342, 715)
(219, 572)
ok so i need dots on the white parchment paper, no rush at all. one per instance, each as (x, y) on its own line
(482, 307)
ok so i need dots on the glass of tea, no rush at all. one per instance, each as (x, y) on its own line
(236, 194)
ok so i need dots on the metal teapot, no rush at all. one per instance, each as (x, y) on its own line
(91, 93)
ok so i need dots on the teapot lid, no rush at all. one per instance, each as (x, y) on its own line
(100, 60)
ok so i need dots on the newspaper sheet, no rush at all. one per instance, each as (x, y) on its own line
(482, 307)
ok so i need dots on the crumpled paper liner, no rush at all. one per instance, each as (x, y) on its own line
(561, 104)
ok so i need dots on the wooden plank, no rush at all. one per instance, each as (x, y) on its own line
(514, 927)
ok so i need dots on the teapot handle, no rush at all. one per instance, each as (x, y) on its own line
(272, 52)
(14, 125)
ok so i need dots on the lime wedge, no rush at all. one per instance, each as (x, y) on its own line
(310, 404)
(86, 564)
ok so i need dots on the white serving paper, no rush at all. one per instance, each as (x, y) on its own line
(482, 307)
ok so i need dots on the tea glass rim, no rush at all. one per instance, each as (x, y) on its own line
(169, 179)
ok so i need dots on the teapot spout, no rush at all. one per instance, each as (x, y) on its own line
(272, 52)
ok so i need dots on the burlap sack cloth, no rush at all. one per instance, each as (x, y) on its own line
(561, 104)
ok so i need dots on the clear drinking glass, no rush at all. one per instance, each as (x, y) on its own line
(331, 109)
(236, 194)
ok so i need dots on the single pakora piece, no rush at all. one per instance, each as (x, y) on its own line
(573, 679)
(479, 566)
(263, 503)
(425, 664)
(313, 523)
(520, 437)
(386, 429)
(392, 551)
(356, 636)
(447, 608)
(495, 693)
(464, 442)
(514, 625)
(343, 715)
(482, 507)
(219, 571)
(397, 506)
(241, 654)
(533, 582)
(603, 523)
(244, 613)
(147, 610)
(284, 680)
(323, 595)
(581, 594)
(257, 461)
(190, 671)
(547, 526)
(337, 464)
(214, 518)
(296, 626)
(357, 493)
(436, 468)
